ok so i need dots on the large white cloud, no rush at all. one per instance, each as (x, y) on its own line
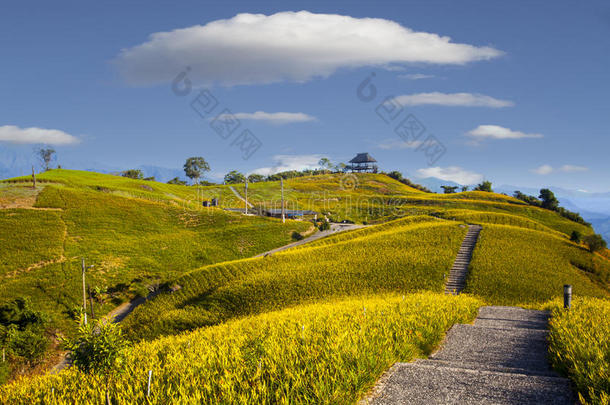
(33, 135)
(453, 100)
(498, 132)
(277, 118)
(451, 173)
(290, 162)
(296, 46)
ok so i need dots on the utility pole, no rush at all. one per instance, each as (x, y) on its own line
(246, 196)
(33, 177)
(84, 291)
(283, 211)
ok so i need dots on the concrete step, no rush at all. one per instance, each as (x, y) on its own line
(484, 367)
(413, 383)
(511, 317)
(512, 348)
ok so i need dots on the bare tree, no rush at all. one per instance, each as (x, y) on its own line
(46, 156)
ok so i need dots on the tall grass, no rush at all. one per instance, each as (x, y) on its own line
(514, 266)
(323, 353)
(402, 259)
(580, 347)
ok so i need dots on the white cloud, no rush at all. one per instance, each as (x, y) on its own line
(277, 118)
(295, 46)
(416, 76)
(548, 169)
(451, 173)
(498, 132)
(543, 170)
(398, 144)
(453, 100)
(33, 135)
(573, 169)
(290, 162)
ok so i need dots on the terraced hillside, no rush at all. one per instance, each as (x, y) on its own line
(134, 237)
(254, 311)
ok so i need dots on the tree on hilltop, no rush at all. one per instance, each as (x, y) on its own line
(195, 167)
(256, 178)
(234, 177)
(46, 156)
(549, 201)
(449, 189)
(133, 174)
(484, 186)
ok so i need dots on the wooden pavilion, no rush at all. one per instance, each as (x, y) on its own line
(363, 162)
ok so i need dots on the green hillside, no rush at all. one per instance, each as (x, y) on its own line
(135, 239)
(141, 234)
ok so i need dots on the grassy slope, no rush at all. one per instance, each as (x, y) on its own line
(512, 266)
(324, 353)
(132, 241)
(401, 259)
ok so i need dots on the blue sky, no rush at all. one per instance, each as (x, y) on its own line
(519, 95)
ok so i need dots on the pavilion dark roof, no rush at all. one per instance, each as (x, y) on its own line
(363, 158)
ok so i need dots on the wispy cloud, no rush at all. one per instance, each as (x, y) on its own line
(277, 118)
(453, 100)
(451, 173)
(548, 169)
(498, 132)
(290, 162)
(33, 135)
(390, 144)
(286, 46)
(416, 76)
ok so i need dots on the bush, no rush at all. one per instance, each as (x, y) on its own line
(98, 347)
(324, 226)
(595, 242)
(5, 372)
(29, 344)
(22, 330)
(576, 237)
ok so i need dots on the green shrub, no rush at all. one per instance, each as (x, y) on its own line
(98, 347)
(595, 242)
(576, 237)
(324, 226)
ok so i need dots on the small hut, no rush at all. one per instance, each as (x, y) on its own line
(363, 162)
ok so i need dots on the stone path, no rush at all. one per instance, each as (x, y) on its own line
(500, 359)
(457, 276)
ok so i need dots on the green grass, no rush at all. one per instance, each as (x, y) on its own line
(132, 242)
(403, 259)
(514, 266)
(580, 348)
(324, 353)
(29, 238)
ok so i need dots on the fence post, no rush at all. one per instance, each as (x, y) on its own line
(148, 386)
(567, 296)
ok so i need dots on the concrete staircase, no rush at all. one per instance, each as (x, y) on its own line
(501, 359)
(457, 276)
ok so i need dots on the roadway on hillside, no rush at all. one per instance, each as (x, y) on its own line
(334, 228)
(240, 197)
(500, 359)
